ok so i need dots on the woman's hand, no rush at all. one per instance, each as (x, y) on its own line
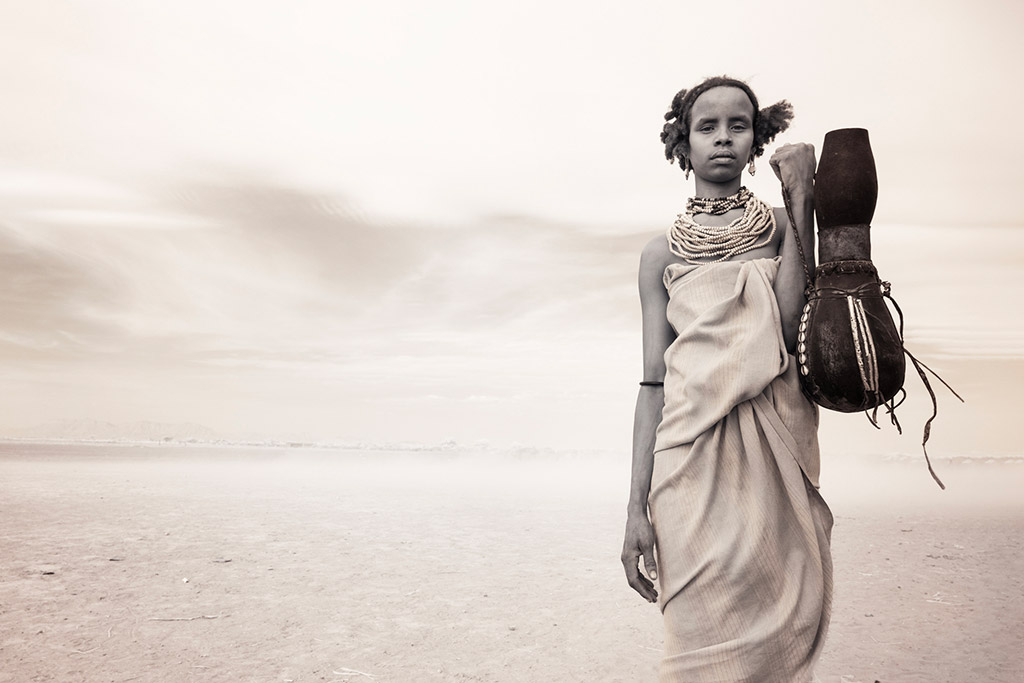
(794, 165)
(640, 543)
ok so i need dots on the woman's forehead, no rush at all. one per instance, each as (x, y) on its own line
(722, 100)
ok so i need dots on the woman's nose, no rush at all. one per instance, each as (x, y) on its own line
(724, 137)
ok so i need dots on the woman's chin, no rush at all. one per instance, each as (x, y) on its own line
(720, 176)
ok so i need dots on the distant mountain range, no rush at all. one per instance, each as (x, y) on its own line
(96, 430)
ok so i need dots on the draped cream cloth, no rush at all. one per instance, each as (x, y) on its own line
(742, 534)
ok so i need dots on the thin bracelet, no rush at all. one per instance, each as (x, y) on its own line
(645, 383)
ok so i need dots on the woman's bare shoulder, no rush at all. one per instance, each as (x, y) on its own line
(656, 253)
(654, 258)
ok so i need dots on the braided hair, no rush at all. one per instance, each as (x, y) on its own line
(768, 122)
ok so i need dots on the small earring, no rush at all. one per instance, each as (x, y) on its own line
(751, 168)
(686, 168)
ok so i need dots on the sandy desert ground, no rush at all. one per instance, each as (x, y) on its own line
(126, 563)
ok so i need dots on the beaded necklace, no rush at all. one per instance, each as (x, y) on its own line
(716, 206)
(694, 242)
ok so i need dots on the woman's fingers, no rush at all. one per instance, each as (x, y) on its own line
(793, 162)
(774, 162)
(641, 584)
(637, 581)
(650, 566)
(639, 543)
(647, 550)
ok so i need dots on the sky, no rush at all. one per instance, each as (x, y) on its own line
(400, 221)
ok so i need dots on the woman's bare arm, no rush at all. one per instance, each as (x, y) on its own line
(794, 165)
(657, 335)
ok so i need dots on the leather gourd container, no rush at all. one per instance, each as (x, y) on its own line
(849, 350)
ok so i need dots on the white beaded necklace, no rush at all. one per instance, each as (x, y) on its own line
(694, 242)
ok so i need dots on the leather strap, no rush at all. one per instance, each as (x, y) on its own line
(799, 243)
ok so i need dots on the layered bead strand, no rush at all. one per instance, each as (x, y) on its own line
(694, 242)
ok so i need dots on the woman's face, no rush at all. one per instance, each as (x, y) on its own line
(721, 133)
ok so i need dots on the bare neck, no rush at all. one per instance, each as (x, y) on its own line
(707, 188)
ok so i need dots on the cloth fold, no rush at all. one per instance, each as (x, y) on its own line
(742, 534)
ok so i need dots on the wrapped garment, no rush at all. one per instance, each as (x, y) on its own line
(742, 533)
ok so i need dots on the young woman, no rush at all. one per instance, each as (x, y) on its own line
(725, 452)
